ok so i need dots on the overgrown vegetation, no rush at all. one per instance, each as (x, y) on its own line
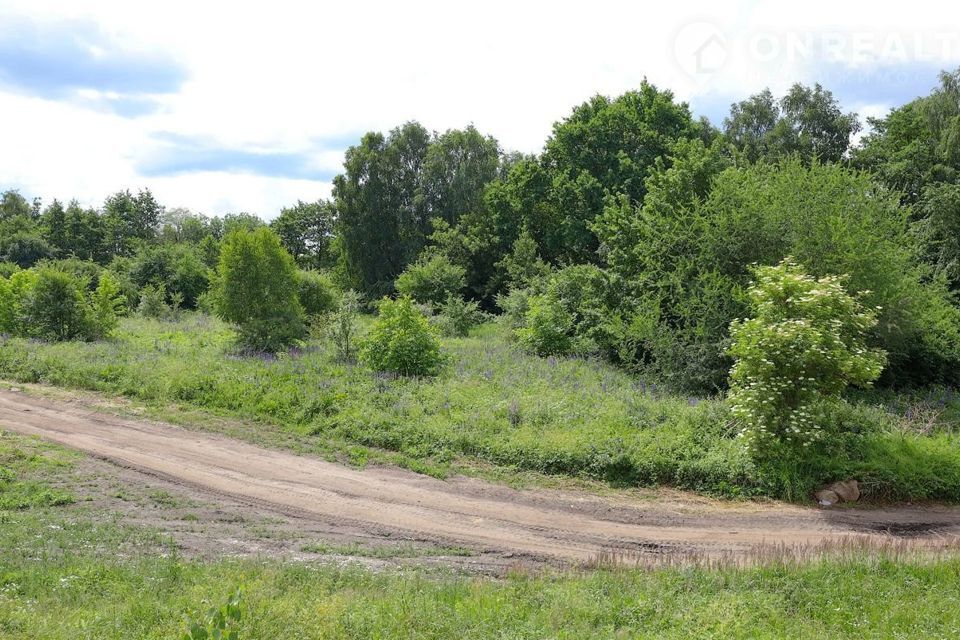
(496, 404)
(631, 240)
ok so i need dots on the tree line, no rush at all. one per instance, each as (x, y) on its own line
(631, 236)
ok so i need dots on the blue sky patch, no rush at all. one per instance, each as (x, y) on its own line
(57, 60)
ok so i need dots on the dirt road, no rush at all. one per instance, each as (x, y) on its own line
(543, 524)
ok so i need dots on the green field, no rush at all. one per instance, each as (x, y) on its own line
(495, 404)
(65, 575)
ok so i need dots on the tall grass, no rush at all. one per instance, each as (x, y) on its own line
(495, 404)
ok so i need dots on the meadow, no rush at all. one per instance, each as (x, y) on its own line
(495, 404)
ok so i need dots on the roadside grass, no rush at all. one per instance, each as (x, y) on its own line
(359, 550)
(496, 405)
(64, 579)
(63, 576)
(23, 463)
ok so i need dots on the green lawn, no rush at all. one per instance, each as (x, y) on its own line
(497, 405)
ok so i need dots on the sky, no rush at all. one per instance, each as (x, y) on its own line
(229, 107)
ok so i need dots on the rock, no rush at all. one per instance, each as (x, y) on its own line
(848, 490)
(826, 497)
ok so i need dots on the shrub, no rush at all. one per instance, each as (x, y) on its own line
(570, 314)
(257, 283)
(548, 327)
(176, 267)
(316, 292)
(805, 342)
(107, 304)
(432, 279)
(53, 305)
(402, 341)
(153, 302)
(687, 252)
(457, 316)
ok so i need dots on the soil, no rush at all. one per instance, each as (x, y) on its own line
(217, 495)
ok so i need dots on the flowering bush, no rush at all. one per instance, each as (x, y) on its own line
(805, 341)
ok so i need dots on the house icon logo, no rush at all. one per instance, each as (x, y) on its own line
(700, 48)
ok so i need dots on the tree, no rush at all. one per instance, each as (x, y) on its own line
(54, 223)
(688, 259)
(807, 122)
(12, 204)
(456, 169)
(305, 230)
(257, 282)
(127, 218)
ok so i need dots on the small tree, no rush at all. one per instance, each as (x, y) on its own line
(341, 328)
(402, 341)
(258, 290)
(432, 279)
(805, 342)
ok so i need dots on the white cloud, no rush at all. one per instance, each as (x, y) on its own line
(279, 75)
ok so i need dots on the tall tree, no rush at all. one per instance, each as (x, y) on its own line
(128, 218)
(806, 121)
(306, 230)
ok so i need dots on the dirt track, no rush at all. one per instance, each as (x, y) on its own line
(544, 524)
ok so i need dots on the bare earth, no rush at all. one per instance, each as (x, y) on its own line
(495, 521)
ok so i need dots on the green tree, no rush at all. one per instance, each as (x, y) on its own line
(806, 121)
(127, 218)
(305, 230)
(54, 224)
(257, 282)
(918, 144)
(688, 259)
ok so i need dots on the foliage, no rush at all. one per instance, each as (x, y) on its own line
(578, 417)
(806, 122)
(175, 267)
(457, 316)
(316, 292)
(915, 145)
(432, 279)
(805, 341)
(687, 259)
(305, 231)
(402, 341)
(219, 622)
(153, 302)
(50, 304)
(341, 328)
(391, 189)
(257, 283)
(569, 315)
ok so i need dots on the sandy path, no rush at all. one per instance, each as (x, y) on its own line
(543, 524)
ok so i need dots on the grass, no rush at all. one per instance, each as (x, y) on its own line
(22, 459)
(358, 550)
(496, 405)
(67, 580)
(63, 576)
